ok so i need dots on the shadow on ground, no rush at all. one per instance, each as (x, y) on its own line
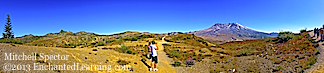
(148, 66)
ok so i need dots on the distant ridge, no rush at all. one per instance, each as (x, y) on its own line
(230, 32)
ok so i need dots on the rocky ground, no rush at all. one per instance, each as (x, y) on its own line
(318, 67)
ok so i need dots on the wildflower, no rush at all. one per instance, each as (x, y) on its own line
(190, 61)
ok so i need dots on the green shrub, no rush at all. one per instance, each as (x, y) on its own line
(100, 43)
(187, 39)
(110, 41)
(277, 68)
(290, 60)
(124, 48)
(303, 30)
(7, 40)
(219, 46)
(297, 37)
(305, 34)
(268, 40)
(312, 60)
(302, 57)
(245, 52)
(73, 44)
(251, 70)
(276, 61)
(285, 36)
(177, 64)
(93, 43)
(215, 71)
(120, 41)
(307, 67)
(174, 53)
(119, 37)
(130, 39)
(199, 58)
(129, 52)
(296, 66)
(18, 42)
(317, 51)
(135, 38)
(122, 62)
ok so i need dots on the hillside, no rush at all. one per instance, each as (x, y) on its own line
(229, 32)
(127, 48)
(181, 53)
(260, 55)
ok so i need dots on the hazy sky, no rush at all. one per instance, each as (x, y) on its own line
(40, 17)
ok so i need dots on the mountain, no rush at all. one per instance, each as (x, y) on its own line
(273, 34)
(219, 33)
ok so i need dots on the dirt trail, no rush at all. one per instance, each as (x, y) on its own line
(164, 61)
(318, 67)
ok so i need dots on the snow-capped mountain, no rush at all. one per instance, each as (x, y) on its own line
(229, 32)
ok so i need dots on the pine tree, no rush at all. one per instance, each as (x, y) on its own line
(8, 33)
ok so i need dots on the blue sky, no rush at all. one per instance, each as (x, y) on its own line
(40, 17)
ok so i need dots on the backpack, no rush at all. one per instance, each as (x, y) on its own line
(149, 48)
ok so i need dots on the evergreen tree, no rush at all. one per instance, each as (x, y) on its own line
(8, 33)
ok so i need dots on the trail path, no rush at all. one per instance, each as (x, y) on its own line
(164, 62)
(318, 67)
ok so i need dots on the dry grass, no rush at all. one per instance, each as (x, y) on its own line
(259, 55)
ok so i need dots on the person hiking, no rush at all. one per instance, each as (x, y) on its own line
(321, 33)
(314, 32)
(317, 32)
(154, 56)
(149, 53)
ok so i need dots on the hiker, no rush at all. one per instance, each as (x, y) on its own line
(154, 56)
(321, 33)
(149, 54)
(317, 32)
(314, 32)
